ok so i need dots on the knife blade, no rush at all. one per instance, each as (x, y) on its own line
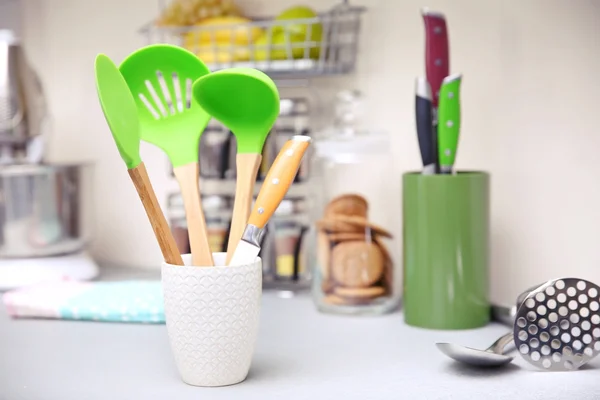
(425, 133)
(276, 184)
(449, 122)
(437, 52)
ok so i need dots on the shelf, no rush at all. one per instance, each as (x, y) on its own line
(214, 187)
(227, 187)
(210, 187)
(286, 49)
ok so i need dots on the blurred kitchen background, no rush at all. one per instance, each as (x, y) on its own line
(528, 100)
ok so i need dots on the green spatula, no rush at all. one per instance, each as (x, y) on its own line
(247, 102)
(121, 115)
(160, 77)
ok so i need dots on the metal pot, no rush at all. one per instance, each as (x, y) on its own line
(44, 209)
(22, 102)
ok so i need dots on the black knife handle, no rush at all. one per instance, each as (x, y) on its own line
(425, 128)
(436, 155)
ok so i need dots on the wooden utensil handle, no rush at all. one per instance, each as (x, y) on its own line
(187, 177)
(278, 180)
(166, 241)
(247, 165)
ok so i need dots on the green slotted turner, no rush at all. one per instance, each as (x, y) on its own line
(160, 77)
(247, 102)
(121, 116)
(449, 122)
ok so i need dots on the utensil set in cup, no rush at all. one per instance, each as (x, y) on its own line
(165, 95)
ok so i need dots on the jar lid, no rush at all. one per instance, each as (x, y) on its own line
(7, 36)
(286, 207)
(175, 200)
(351, 148)
(292, 107)
(214, 202)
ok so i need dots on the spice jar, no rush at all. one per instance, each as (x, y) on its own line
(293, 119)
(214, 158)
(285, 248)
(354, 271)
(217, 210)
(177, 222)
(217, 213)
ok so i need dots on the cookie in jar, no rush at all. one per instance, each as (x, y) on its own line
(355, 272)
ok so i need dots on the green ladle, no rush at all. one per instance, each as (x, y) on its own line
(246, 101)
(160, 77)
(121, 116)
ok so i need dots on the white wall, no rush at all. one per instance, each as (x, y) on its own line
(10, 15)
(529, 116)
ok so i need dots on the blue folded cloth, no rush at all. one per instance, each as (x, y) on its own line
(125, 301)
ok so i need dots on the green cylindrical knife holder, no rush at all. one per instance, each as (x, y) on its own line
(446, 250)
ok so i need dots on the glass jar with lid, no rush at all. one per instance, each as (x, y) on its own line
(354, 271)
(284, 249)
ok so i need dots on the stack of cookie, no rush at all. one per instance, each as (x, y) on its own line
(356, 267)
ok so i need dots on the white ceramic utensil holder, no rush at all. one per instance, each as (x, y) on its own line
(212, 316)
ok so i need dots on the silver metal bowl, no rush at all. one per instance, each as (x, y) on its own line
(45, 210)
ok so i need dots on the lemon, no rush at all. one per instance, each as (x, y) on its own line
(208, 31)
(222, 53)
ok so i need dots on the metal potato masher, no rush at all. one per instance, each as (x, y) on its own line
(556, 328)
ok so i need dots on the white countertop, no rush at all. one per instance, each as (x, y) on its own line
(301, 354)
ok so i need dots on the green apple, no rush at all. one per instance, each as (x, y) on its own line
(277, 53)
(297, 34)
(299, 30)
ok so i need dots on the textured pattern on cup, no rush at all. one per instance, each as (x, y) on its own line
(212, 317)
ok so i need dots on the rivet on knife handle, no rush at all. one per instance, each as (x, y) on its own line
(278, 180)
(449, 122)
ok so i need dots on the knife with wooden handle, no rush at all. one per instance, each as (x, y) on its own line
(449, 122)
(274, 188)
(425, 132)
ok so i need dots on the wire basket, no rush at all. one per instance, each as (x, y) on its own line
(296, 48)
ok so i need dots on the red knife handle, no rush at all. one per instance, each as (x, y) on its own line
(437, 57)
